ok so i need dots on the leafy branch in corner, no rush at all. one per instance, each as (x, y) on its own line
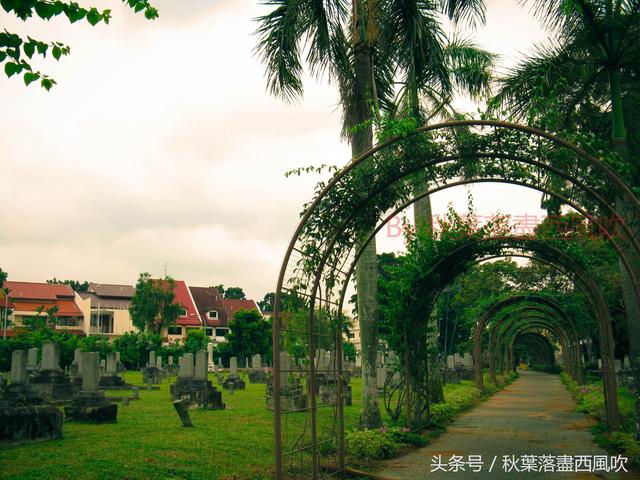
(17, 52)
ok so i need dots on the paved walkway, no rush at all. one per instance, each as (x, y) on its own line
(535, 415)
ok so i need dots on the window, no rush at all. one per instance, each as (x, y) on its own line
(68, 321)
(102, 323)
(208, 331)
(174, 331)
(213, 314)
(221, 332)
(183, 312)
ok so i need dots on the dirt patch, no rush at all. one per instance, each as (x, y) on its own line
(585, 424)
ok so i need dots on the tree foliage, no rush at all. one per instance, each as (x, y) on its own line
(249, 333)
(153, 305)
(17, 53)
(76, 285)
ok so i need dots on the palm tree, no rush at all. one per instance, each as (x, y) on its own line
(593, 65)
(343, 39)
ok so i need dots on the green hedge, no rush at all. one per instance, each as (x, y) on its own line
(134, 347)
(590, 400)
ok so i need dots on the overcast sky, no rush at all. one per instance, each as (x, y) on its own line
(160, 145)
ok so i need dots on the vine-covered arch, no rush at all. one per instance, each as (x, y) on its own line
(506, 303)
(321, 256)
(568, 342)
(543, 351)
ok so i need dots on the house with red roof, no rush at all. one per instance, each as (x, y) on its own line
(234, 304)
(27, 298)
(189, 316)
(216, 311)
(213, 313)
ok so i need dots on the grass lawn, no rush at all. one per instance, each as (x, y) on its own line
(149, 441)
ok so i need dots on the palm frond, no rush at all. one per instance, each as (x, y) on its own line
(471, 67)
(279, 33)
(543, 72)
(472, 12)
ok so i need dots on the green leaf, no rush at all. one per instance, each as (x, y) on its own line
(56, 52)
(30, 77)
(42, 48)
(47, 83)
(29, 49)
(93, 17)
(44, 10)
(11, 68)
(3, 55)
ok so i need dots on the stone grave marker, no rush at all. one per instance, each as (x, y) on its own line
(90, 404)
(110, 377)
(257, 374)
(18, 367)
(193, 385)
(211, 366)
(22, 418)
(233, 381)
(32, 360)
(151, 374)
(51, 382)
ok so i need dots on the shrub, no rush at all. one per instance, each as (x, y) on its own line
(369, 445)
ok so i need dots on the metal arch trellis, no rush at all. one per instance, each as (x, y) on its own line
(526, 327)
(569, 341)
(526, 324)
(495, 337)
(538, 342)
(322, 254)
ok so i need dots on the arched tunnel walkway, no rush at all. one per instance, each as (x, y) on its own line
(535, 415)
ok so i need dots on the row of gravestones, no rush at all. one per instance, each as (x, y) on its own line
(23, 415)
(328, 385)
(617, 364)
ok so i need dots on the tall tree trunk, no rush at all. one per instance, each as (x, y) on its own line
(632, 305)
(366, 268)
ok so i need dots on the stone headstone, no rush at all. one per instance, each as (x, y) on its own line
(285, 366)
(201, 365)
(50, 356)
(152, 359)
(117, 357)
(112, 364)
(170, 360)
(76, 356)
(19, 367)
(210, 364)
(256, 362)
(450, 362)
(381, 377)
(159, 362)
(467, 360)
(90, 371)
(457, 360)
(32, 359)
(617, 364)
(233, 366)
(600, 363)
(186, 366)
(182, 408)
(246, 363)
(90, 404)
(625, 362)
(103, 365)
